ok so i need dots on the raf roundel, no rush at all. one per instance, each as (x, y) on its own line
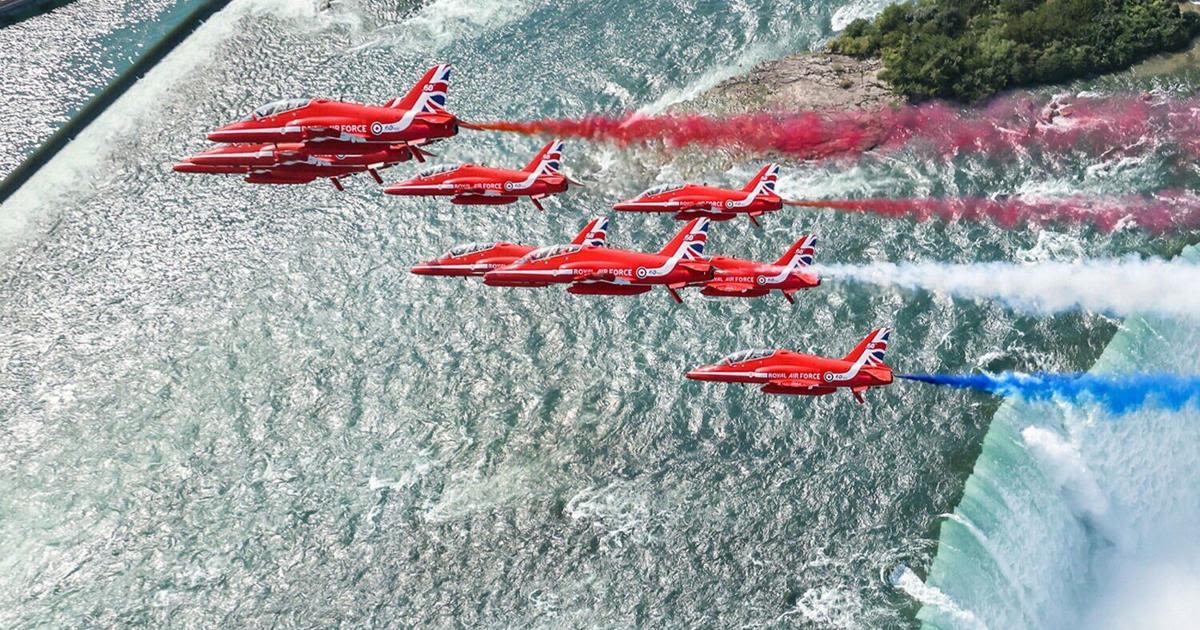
(641, 273)
(376, 128)
(508, 185)
(829, 377)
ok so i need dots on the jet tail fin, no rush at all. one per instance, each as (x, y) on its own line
(548, 160)
(429, 94)
(764, 182)
(871, 349)
(800, 254)
(688, 244)
(595, 233)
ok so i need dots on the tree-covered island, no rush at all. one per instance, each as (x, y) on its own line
(970, 49)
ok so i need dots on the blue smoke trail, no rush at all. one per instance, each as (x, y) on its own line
(1119, 393)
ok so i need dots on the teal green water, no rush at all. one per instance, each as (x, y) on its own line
(232, 405)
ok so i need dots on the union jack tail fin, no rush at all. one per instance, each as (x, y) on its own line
(595, 233)
(689, 242)
(800, 254)
(548, 161)
(871, 349)
(429, 94)
(764, 182)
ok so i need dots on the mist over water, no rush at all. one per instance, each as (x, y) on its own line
(1075, 515)
(232, 405)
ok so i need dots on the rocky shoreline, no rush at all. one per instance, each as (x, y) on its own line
(810, 81)
(824, 81)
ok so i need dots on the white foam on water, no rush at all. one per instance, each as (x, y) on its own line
(904, 579)
(442, 22)
(830, 607)
(746, 59)
(1052, 245)
(471, 491)
(1066, 468)
(863, 10)
(1115, 286)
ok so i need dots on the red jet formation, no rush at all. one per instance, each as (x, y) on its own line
(482, 185)
(603, 271)
(296, 141)
(787, 372)
(689, 201)
(476, 259)
(734, 277)
(290, 163)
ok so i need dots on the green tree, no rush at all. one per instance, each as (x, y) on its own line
(971, 49)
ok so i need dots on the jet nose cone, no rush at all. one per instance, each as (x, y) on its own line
(424, 269)
(623, 206)
(214, 159)
(226, 133)
(399, 188)
(703, 373)
(183, 166)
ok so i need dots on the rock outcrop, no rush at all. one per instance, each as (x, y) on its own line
(805, 81)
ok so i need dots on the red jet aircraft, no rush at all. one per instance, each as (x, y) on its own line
(604, 271)
(787, 372)
(474, 185)
(333, 127)
(689, 201)
(734, 277)
(476, 259)
(291, 163)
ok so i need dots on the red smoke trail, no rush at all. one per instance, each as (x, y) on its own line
(1159, 214)
(806, 134)
(1007, 125)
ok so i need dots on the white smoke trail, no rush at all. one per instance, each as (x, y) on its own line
(1115, 286)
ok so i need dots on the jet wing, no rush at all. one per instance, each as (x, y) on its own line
(797, 383)
(732, 287)
(318, 134)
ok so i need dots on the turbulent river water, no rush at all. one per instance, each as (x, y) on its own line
(232, 405)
